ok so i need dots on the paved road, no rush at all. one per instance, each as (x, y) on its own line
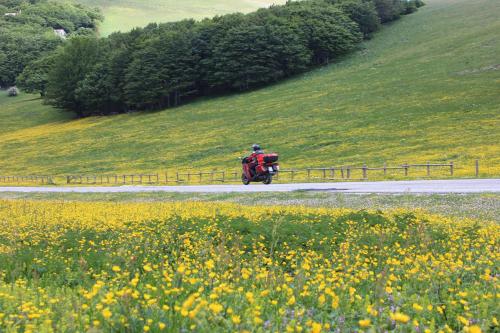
(416, 186)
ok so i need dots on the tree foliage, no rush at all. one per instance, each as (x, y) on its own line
(162, 65)
(34, 77)
(363, 13)
(28, 33)
(71, 65)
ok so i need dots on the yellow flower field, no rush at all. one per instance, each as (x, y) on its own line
(221, 267)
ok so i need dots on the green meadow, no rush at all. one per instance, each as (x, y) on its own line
(123, 15)
(425, 88)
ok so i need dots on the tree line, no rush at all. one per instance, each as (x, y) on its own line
(163, 65)
(27, 33)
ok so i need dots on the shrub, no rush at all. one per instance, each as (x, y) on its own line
(12, 92)
(419, 3)
(410, 7)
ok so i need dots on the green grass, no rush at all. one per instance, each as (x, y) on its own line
(423, 89)
(123, 15)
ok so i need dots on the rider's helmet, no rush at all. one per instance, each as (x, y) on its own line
(255, 147)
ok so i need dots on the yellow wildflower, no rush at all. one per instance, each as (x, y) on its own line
(400, 317)
(316, 327)
(106, 313)
(365, 323)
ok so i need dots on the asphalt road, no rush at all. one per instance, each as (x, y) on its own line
(415, 186)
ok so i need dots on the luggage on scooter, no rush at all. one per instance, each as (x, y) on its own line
(267, 158)
(270, 158)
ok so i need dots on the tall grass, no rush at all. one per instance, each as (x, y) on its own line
(423, 89)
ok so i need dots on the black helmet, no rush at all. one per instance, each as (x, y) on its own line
(255, 147)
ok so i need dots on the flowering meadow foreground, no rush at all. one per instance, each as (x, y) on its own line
(221, 267)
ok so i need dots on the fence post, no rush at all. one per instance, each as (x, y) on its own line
(348, 172)
(451, 168)
(68, 179)
(406, 169)
(477, 168)
(365, 171)
(342, 172)
(385, 169)
(177, 176)
(291, 175)
(308, 174)
(223, 176)
(428, 169)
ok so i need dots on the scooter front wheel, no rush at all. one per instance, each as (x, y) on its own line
(244, 179)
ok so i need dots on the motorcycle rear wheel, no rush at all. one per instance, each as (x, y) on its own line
(244, 179)
(268, 180)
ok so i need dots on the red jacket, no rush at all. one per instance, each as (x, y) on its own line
(253, 157)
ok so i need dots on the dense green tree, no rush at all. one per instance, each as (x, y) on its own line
(96, 93)
(72, 62)
(3, 9)
(363, 13)
(162, 71)
(20, 46)
(59, 15)
(162, 65)
(328, 31)
(34, 78)
(208, 34)
(102, 90)
(252, 55)
(389, 10)
(29, 35)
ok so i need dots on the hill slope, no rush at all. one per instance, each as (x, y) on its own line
(123, 15)
(425, 88)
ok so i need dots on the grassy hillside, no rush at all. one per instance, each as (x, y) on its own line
(123, 15)
(425, 88)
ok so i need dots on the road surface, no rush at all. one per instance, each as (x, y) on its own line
(415, 186)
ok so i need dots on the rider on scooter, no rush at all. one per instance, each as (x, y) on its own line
(256, 150)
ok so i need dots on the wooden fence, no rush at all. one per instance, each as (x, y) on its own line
(44, 180)
(325, 174)
(230, 176)
(359, 172)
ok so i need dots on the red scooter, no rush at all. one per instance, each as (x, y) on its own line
(261, 170)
